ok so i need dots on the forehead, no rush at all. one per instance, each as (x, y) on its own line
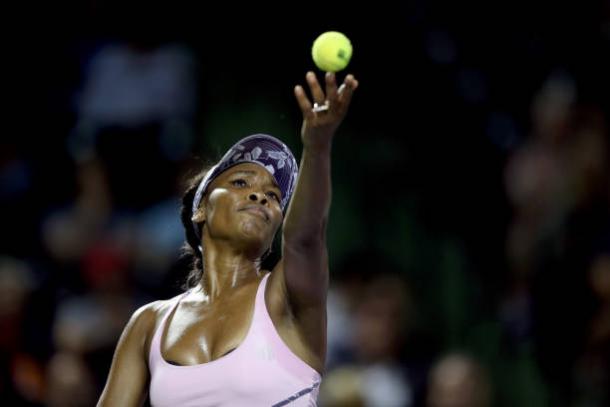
(247, 169)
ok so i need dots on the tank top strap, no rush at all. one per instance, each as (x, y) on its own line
(259, 302)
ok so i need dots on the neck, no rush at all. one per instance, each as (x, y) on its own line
(226, 269)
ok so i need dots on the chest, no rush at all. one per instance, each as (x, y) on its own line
(196, 334)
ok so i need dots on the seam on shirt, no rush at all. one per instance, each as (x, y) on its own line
(297, 395)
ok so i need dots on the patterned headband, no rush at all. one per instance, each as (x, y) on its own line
(261, 149)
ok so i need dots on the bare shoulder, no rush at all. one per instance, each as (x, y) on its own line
(129, 373)
(149, 313)
(144, 321)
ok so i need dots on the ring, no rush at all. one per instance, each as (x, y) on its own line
(320, 107)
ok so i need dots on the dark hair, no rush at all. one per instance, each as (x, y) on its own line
(191, 246)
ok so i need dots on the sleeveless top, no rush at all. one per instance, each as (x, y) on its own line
(261, 371)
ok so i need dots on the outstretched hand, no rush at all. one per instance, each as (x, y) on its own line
(321, 119)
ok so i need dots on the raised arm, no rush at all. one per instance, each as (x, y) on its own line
(128, 378)
(304, 254)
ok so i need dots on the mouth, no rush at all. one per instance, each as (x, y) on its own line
(257, 211)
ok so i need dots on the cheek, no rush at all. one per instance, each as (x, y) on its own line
(217, 194)
(219, 205)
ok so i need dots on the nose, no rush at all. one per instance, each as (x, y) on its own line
(258, 197)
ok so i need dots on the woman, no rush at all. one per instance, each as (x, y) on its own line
(242, 335)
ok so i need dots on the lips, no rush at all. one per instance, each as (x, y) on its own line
(257, 210)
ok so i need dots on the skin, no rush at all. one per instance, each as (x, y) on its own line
(240, 215)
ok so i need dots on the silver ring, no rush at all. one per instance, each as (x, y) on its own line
(320, 107)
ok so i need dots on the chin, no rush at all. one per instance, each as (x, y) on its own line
(253, 232)
(255, 235)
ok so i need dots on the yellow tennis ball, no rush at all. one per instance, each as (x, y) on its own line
(331, 51)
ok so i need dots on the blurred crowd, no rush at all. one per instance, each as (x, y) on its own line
(442, 331)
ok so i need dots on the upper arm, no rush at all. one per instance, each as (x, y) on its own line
(304, 271)
(128, 378)
(298, 290)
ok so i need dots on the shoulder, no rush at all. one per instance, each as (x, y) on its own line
(147, 314)
(145, 319)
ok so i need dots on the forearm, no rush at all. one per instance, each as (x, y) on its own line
(307, 215)
(306, 219)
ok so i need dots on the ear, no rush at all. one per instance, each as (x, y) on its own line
(199, 216)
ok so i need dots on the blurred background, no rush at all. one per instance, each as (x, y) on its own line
(470, 232)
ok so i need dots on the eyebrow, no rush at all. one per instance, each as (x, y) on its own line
(248, 172)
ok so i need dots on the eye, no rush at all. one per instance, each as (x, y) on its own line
(239, 183)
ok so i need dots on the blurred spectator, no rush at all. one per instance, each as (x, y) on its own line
(21, 373)
(137, 82)
(67, 233)
(562, 168)
(458, 380)
(82, 348)
(146, 242)
(592, 370)
(378, 324)
(383, 311)
(536, 178)
(557, 183)
(135, 113)
(69, 382)
(343, 387)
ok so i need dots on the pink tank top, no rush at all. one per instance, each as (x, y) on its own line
(262, 371)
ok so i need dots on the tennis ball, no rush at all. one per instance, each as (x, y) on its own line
(331, 51)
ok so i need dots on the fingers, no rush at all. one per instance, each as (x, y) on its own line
(350, 84)
(302, 100)
(316, 91)
(346, 90)
(340, 98)
(331, 86)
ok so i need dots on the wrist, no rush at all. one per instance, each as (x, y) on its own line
(318, 147)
